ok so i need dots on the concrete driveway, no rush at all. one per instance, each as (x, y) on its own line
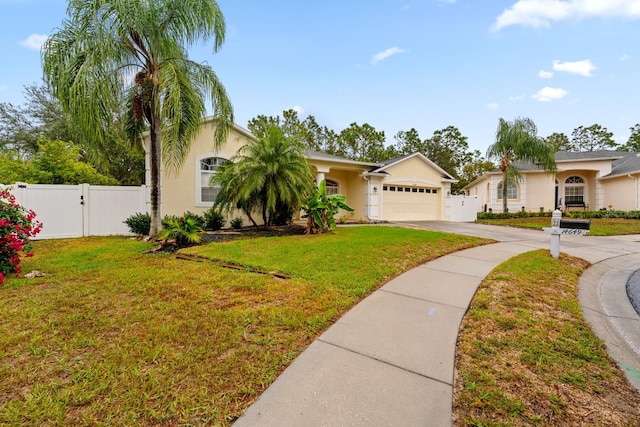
(603, 293)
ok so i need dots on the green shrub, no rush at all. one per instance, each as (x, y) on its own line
(197, 218)
(282, 216)
(17, 226)
(213, 219)
(184, 230)
(168, 219)
(575, 214)
(139, 223)
(236, 223)
(633, 215)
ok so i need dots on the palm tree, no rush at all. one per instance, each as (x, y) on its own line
(138, 47)
(518, 141)
(270, 174)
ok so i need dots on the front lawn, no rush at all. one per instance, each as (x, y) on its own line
(527, 357)
(599, 226)
(115, 336)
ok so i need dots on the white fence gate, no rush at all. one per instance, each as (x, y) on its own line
(462, 208)
(80, 210)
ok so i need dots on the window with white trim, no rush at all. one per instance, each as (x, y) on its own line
(574, 187)
(208, 168)
(512, 191)
(331, 187)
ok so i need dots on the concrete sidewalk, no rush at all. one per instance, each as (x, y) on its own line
(390, 360)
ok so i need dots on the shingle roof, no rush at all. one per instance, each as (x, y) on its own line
(376, 167)
(627, 163)
(395, 159)
(569, 156)
(622, 162)
(319, 155)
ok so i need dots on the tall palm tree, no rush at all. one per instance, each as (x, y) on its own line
(270, 173)
(518, 141)
(107, 47)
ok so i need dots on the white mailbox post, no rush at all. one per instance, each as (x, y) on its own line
(567, 227)
(555, 233)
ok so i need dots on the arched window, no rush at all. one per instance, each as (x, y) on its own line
(512, 191)
(331, 187)
(208, 167)
(574, 189)
(574, 179)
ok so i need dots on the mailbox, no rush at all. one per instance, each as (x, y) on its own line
(567, 227)
(578, 224)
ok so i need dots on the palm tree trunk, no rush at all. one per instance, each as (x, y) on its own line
(504, 165)
(156, 160)
(504, 192)
(264, 215)
(251, 219)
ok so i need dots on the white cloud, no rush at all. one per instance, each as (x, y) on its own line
(625, 57)
(492, 106)
(548, 94)
(34, 41)
(298, 109)
(545, 74)
(3, 88)
(582, 68)
(385, 54)
(517, 98)
(541, 13)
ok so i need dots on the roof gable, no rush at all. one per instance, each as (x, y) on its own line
(398, 160)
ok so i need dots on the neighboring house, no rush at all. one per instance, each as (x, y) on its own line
(406, 188)
(586, 180)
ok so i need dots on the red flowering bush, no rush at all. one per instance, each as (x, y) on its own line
(17, 225)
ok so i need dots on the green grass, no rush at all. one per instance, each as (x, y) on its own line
(527, 357)
(354, 259)
(115, 336)
(599, 226)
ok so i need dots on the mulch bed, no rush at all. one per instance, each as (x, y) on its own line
(252, 233)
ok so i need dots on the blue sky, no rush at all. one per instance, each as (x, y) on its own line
(399, 65)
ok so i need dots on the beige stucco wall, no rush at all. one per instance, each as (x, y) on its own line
(601, 166)
(178, 189)
(413, 171)
(540, 192)
(535, 191)
(356, 198)
(620, 193)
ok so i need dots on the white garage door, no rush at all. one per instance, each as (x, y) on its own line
(403, 203)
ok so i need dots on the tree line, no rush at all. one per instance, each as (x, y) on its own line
(38, 144)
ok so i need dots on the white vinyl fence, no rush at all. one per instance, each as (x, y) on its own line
(462, 208)
(80, 210)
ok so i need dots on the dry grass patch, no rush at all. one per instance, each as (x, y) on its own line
(112, 336)
(526, 356)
